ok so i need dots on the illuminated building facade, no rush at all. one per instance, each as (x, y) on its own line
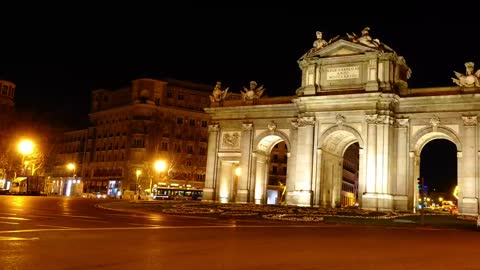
(353, 90)
(132, 127)
(7, 110)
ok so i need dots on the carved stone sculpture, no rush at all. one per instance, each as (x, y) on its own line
(470, 79)
(253, 93)
(218, 95)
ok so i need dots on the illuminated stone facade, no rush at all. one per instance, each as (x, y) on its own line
(353, 90)
(7, 110)
(134, 126)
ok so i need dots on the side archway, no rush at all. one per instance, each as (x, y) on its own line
(264, 167)
(417, 144)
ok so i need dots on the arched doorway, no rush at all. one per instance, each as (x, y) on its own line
(442, 136)
(270, 169)
(349, 191)
(277, 177)
(438, 169)
(340, 168)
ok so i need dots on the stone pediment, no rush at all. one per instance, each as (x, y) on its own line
(340, 47)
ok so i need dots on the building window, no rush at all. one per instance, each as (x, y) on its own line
(189, 149)
(180, 97)
(203, 151)
(169, 94)
(157, 101)
(179, 121)
(274, 169)
(204, 123)
(275, 158)
(192, 122)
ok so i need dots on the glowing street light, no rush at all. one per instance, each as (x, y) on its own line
(137, 173)
(25, 147)
(71, 167)
(159, 166)
(238, 171)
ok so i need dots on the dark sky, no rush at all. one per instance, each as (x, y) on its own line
(57, 58)
(56, 61)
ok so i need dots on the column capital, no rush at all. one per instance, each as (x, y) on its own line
(401, 122)
(306, 121)
(247, 125)
(371, 118)
(213, 127)
(469, 120)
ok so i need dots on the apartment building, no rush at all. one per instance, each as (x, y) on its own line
(131, 128)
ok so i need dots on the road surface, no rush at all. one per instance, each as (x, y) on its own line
(72, 233)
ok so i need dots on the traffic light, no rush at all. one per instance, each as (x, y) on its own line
(419, 184)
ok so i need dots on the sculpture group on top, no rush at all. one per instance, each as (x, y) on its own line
(249, 95)
(364, 39)
(469, 79)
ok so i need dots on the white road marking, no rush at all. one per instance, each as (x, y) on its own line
(53, 226)
(126, 215)
(140, 224)
(87, 220)
(9, 214)
(14, 218)
(167, 227)
(4, 238)
(67, 215)
(11, 223)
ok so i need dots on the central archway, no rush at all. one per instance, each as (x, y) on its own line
(340, 160)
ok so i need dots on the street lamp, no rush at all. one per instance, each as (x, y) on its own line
(138, 173)
(25, 147)
(159, 166)
(71, 167)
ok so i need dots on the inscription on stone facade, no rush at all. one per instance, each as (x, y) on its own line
(231, 140)
(343, 73)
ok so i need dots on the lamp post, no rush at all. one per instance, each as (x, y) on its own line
(71, 167)
(137, 173)
(159, 166)
(25, 147)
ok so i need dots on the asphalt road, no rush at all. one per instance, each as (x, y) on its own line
(65, 233)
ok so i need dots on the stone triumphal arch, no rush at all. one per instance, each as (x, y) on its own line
(353, 91)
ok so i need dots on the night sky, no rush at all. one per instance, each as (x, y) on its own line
(57, 60)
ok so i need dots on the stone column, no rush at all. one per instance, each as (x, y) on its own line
(371, 149)
(467, 180)
(401, 183)
(304, 156)
(291, 164)
(212, 163)
(261, 178)
(252, 178)
(245, 162)
(379, 141)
